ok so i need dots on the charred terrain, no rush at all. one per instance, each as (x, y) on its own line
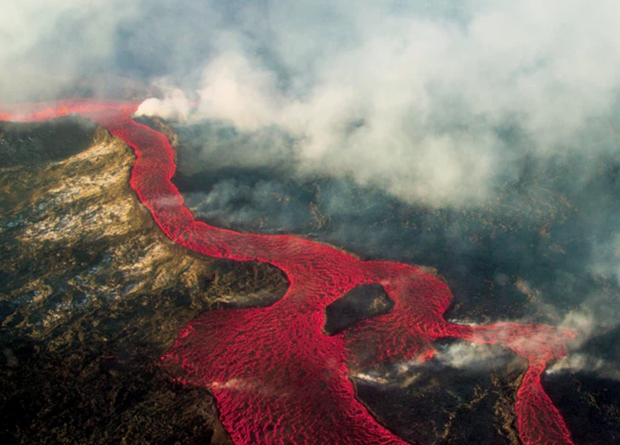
(93, 294)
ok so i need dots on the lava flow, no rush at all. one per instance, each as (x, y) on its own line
(276, 376)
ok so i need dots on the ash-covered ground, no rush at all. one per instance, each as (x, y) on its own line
(92, 294)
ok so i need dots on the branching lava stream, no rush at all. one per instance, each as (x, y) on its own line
(276, 376)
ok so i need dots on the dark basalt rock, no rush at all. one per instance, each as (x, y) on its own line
(35, 144)
(360, 303)
(92, 294)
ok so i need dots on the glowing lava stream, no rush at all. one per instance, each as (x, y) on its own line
(276, 377)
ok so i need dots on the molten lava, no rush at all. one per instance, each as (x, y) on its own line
(276, 376)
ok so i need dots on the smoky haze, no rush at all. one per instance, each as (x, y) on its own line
(503, 111)
(411, 96)
(417, 99)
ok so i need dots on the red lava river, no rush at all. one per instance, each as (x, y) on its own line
(276, 376)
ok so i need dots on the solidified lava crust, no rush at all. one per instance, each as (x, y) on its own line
(277, 378)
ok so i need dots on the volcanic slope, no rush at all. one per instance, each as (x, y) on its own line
(93, 293)
(262, 363)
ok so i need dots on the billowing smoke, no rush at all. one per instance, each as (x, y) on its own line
(413, 97)
(418, 99)
(47, 47)
(174, 106)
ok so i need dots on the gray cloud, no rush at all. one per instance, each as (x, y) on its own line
(412, 98)
(45, 46)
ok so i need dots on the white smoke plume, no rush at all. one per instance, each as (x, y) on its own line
(412, 99)
(174, 106)
(409, 96)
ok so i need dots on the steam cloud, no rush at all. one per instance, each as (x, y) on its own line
(174, 106)
(415, 99)
(404, 95)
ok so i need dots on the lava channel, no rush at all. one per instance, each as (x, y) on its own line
(276, 376)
